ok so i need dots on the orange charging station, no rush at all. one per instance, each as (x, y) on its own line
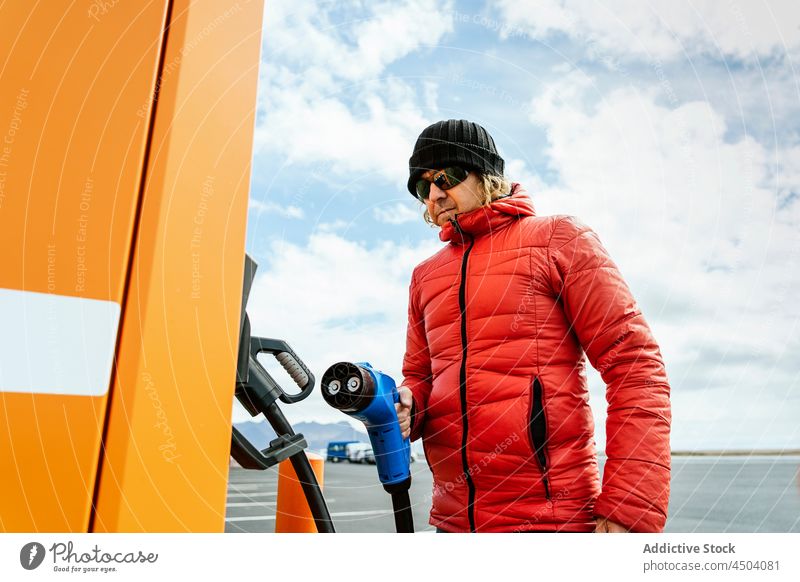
(126, 134)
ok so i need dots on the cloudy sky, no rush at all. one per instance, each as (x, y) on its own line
(671, 128)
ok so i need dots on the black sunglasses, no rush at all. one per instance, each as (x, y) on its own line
(444, 180)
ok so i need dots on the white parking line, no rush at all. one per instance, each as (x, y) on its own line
(349, 513)
(239, 488)
(250, 518)
(259, 503)
(251, 504)
(340, 514)
(265, 494)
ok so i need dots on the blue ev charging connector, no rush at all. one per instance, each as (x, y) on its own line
(359, 390)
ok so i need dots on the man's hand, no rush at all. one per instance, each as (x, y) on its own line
(403, 409)
(604, 525)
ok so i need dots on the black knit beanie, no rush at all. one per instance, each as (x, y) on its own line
(455, 142)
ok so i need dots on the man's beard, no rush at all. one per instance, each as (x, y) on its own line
(439, 220)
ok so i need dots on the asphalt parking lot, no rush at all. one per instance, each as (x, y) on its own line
(355, 498)
(708, 494)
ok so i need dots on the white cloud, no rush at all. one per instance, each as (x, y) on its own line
(313, 129)
(662, 30)
(351, 40)
(334, 300)
(517, 171)
(287, 211)
(398, 213)
(334, 226)
(695, 225)
(432, 97)
(323, 97)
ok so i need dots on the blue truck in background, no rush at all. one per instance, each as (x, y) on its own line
(337, 450)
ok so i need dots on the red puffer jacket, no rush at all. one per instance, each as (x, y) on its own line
(498, 323)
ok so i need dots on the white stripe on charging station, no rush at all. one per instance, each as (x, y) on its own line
(56, 344)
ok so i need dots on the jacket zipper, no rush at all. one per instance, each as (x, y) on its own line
(462, 304)
(538, 432)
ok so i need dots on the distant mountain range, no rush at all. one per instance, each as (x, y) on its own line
(317, 435)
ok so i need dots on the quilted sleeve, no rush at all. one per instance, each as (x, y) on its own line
(417, 363)
(621, 346)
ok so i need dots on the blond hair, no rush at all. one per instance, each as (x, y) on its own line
(489, 188)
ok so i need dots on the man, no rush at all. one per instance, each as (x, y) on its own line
(494, 373)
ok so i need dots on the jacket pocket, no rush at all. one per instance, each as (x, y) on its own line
(537, 430)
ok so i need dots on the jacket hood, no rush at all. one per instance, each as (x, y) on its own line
(486, 219)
